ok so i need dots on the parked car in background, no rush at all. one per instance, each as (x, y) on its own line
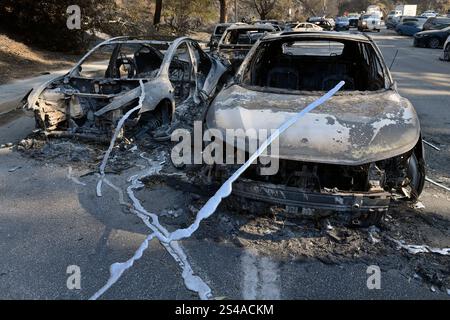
(392, 21)
(342, 23)
(306, 26)
(324, 23)
(446, 53)
(277, 25)
(409, 28)
(331, 21)
(238, 39)
(289, 25)
(434, 23)
(432, 38)
(369, 22)
(355, 154)
(219, 30)
(429, 14)
(402, 19)
(402, 10)
(353, 19)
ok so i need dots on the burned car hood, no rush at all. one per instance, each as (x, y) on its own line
(353, 128)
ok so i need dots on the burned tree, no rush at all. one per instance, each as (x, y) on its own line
(223, 11)
(158, 9)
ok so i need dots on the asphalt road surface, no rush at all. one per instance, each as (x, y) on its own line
(48, 223)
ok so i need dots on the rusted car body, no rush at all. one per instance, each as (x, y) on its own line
(88, 101)
(354, 154)
(238, 39)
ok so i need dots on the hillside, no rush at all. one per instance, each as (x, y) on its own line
(18, 61)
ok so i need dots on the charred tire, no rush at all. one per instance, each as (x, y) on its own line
(152, 120)
(434, 43)
(416, 174)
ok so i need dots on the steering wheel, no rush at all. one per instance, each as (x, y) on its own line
(129, 65)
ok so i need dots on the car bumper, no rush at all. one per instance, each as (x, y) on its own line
(293, 198)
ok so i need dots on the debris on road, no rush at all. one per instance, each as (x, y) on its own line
(415, 249)
(418, 205)
(74, 179)
(374, 235)
(14, 169)
(437, 184)
(431, 145)
(6, 145)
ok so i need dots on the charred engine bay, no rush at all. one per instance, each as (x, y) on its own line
(301, 236)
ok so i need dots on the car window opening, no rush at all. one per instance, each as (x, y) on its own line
(315, 65)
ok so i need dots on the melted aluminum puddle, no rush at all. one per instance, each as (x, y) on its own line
(415, 249)
(169, 240)
(114, 138)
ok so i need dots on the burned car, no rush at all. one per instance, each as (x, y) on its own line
(358, 153)
(217, 34)
(120, 74)
(238, 39)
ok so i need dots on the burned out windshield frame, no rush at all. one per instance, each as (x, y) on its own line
(248, 65)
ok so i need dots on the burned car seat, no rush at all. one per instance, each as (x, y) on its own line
(283, 78)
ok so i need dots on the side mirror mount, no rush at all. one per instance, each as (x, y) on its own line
(395, 86)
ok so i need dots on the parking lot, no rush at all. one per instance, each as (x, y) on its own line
(50, 221)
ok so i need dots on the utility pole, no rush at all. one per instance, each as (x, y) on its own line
(235, 10)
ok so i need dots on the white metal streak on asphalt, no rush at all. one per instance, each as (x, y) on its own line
(74, 179)
(114, 138)
(250, 275)
(415, 249)
(260, 277)
(269, 275)
(169, 240)
(117, 269)
(192, 282)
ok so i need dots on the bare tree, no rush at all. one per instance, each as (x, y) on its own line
(264, 7)
(158, 9)
(223, 11)
(311, 7)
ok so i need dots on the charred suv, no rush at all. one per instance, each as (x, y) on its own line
(121, 74)
(238, 39)
(354, 154)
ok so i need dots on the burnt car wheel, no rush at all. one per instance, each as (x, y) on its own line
(434, 43)
(416, 174)
(157, 122)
